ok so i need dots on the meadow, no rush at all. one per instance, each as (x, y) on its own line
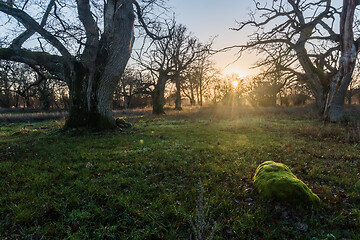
(178, 175)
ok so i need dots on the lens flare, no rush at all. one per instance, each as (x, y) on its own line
(235, 84)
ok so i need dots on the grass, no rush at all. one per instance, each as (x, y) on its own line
(143, 183)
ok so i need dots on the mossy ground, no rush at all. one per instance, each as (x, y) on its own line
(143, 183)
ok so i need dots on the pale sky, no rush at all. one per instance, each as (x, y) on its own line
(208, 18)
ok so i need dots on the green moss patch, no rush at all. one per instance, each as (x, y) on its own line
(276, 181)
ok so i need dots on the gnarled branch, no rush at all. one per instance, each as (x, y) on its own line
(30, 23)
(19, 41)
(144, 25)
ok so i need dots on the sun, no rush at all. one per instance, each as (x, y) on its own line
(235, 84)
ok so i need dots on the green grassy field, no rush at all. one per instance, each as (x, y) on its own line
(143, 183)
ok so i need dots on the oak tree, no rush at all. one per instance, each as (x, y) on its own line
(85, 43)
(311, 49)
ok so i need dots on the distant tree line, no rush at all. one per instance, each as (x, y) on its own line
(21, 87)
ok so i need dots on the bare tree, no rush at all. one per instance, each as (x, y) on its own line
(157, 61)
(103, 41)
(21, 82)
(303, 31)
(186, 51)
(310, 47)
(349, 47)
(132, 90)
(188, 86)
(222, 88)
(167, 59)
(21, 86)
(204, 73)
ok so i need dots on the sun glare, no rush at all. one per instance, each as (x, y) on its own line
(235, 84)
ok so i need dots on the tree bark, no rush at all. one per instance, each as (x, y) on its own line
(316, 79)
(80, 115)
(197, 95)
(335, 105)
(178, 94)
(334, 109)
(95, 78)
(17, 101)
(158, 95)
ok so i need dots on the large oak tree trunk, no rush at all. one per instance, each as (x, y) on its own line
(158, 95)
(79, 115)
(334, 109)
(316, 79)
(320, 99)
(94, 79)
(83, 111)
(91, 99)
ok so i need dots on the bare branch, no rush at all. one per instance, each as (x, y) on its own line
(52, 63)
(144, 25)
(30, 23)
(19, 41)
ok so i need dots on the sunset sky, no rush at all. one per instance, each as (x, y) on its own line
(208, 18)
